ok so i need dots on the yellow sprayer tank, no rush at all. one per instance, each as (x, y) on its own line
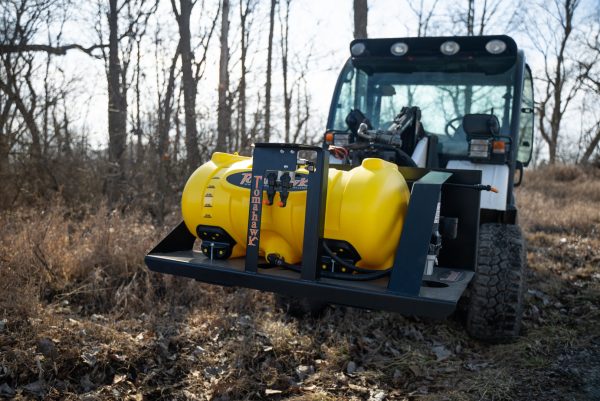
(365, 207)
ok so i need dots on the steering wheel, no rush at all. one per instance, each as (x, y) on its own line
(452, 126)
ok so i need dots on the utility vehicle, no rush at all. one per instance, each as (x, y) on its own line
(454, 116)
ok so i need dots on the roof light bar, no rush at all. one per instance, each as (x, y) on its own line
(399, 49)
(358, 49)
(495, 46)
(449, 48)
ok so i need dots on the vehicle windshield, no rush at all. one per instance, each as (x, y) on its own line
(443, 97)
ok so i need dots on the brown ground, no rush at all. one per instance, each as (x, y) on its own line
(81, 317)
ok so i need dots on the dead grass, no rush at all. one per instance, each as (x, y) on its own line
(561, 199)
(84, 319)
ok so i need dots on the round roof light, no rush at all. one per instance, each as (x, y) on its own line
(495, 46)
(399, 49)
(449, 48)
(358, 49)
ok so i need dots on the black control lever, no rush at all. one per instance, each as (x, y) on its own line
(271, 188)
(285, 182)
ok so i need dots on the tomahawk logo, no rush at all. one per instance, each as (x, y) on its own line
(254, 212)
(244, 180)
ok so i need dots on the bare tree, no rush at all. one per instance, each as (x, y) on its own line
(126, 23)
(25, 113)
(302, 108)
(423, 15)
(51, 128)
(361, 12)
(224, 110)
(559, 87)
(13, 88)
(245, 9)
(476, 21)
(17, 72)
(34, 122)
(590, 78)
(137, 123)
(284, 23)
(117, 107)
(165, 110)
(189, 85)
(7, 133)
(267, 133)
(192, 71)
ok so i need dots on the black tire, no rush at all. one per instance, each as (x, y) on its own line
(300, 307)
(495, 305)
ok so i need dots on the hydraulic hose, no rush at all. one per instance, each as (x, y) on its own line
(365, 274)
(347, 264)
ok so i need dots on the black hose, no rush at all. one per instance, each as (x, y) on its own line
(478, 187)
(275, 260)
(346, 264)
(356, 277)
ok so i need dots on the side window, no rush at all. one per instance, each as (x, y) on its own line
(351, 96)
(527, 117)
(346, 99)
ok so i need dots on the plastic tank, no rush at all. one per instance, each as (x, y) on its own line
(365, 207)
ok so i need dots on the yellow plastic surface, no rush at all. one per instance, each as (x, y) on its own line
(365, 207)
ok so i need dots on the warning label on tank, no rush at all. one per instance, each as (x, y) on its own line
(244, 180)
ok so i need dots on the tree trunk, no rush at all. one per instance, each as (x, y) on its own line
(471, 18)
(361, 12)
(287, 95)
(139, 152)
(589, 151)
(35, 150)
(68, 146)
(6, 105)
(244, 139)
(164, 125)
(189, 85)
(224, 112)
(117, 110)
(557, 94)
(3, 154)
(269, 71)
(177, 121)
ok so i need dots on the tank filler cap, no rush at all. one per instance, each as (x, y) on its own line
(373, 164)
(220, 158)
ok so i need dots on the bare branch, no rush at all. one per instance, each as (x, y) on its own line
(55, 50)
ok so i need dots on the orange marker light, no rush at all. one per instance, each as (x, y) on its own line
(499, 147)
(329, 137)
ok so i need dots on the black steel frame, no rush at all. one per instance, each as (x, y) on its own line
(406, 290)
